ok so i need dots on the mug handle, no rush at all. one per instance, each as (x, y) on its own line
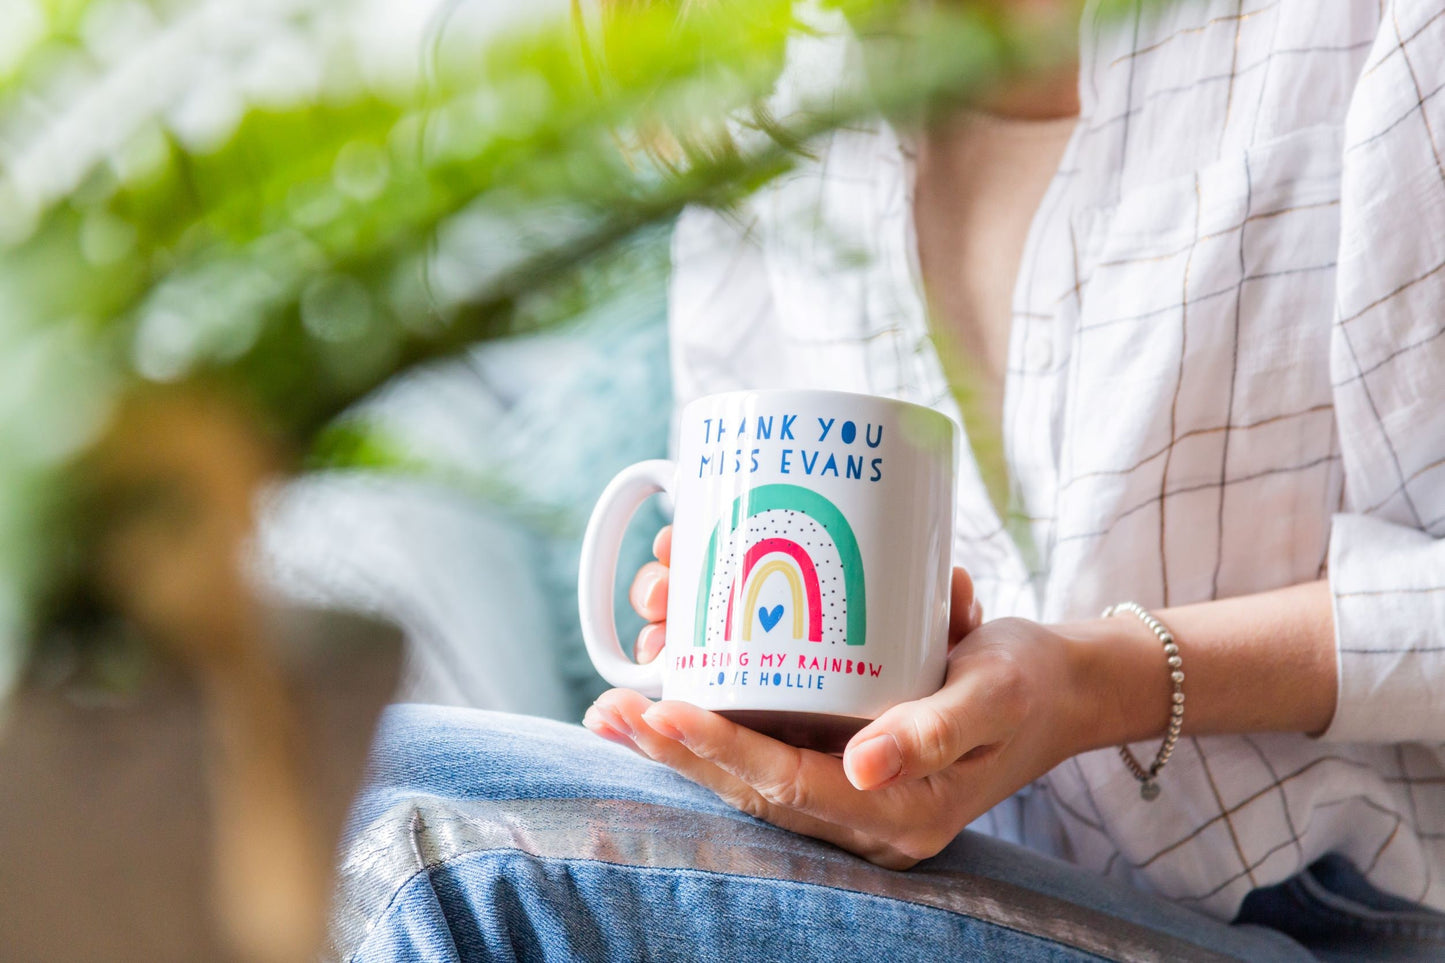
(597, 573)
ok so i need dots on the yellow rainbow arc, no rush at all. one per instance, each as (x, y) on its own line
(795, 585)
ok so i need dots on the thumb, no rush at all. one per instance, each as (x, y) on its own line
(912, 740)
(964, 612)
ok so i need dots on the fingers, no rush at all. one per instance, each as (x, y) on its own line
(606, 728)
(976, 709)
(649, 592)
(800, 791)
(787, 778)
(623, 711)
(650, 642)
(964, 611)
(649, 598)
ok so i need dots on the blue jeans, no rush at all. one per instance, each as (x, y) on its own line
(489, 837)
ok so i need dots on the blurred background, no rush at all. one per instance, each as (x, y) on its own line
(322, 324)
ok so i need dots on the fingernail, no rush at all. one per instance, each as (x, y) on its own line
(657, 543)
(663, 726)
(598, 727)
(642, 591)
(874, 761)
(976, 612)
(650, 642)
(612, 719)
(651, 593)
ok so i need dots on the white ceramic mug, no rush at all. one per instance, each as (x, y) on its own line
(810, 567)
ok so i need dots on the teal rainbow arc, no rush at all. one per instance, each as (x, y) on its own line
(788, 558)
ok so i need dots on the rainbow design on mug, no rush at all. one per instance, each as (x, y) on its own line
(783, 564)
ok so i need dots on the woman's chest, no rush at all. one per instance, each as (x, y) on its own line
(1169, 413)
(1167, 420)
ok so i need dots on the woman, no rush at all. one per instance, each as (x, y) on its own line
(1220, 394)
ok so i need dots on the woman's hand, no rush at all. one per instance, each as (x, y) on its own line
(1012, 707)
(1019, 698)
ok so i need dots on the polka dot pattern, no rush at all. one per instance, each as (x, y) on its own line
(797, 527)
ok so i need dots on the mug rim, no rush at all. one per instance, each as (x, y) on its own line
(822, 393)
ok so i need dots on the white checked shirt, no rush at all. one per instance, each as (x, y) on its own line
(1226, 375)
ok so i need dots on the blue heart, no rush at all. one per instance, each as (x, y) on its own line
(770, 618)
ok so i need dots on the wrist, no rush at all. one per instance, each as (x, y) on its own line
(1121, 680)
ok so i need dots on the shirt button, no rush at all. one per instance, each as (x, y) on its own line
(1038, 352)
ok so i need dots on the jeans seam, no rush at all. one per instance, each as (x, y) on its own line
(514, 851)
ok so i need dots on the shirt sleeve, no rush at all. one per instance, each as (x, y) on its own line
(1387, 550)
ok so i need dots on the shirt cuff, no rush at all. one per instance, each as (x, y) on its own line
(1387, 584)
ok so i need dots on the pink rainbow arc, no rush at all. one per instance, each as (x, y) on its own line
(805, 564)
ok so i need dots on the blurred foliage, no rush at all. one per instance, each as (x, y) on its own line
(229, 193)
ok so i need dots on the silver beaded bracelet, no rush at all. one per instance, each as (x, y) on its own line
(1148, 778)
